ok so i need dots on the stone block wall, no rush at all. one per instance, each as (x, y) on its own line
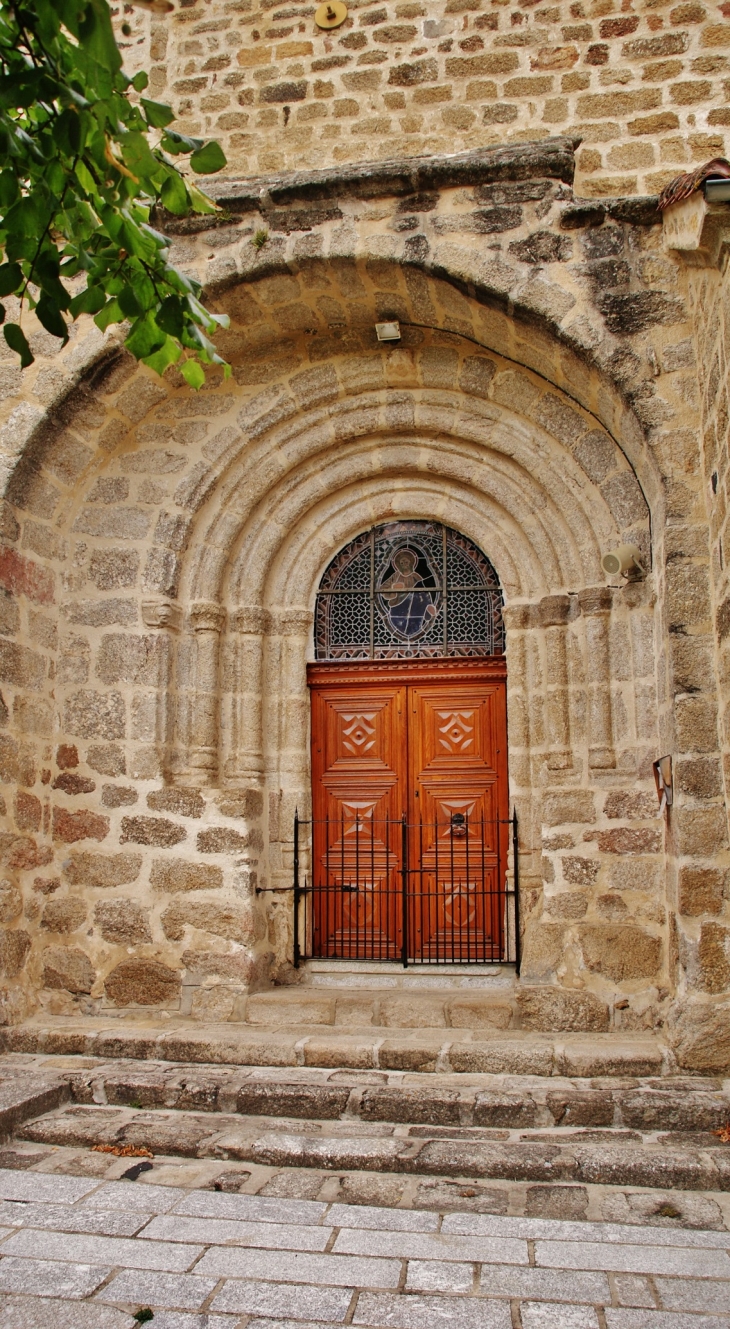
(161, 551)
(644, 83)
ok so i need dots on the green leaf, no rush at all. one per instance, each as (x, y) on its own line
(158, 114)
(111, 313)
(129, 304)
(145, 338)
(89, 301)
(171, 316)
(177, 143)
(193, 374)
(169, 354)
(51, 318)
(85, 178)
(2, 313)
(200, 201)
(140, 81)
(174, 195)
(209, 159)
(11, 278)
(138, 156)
(17, 341)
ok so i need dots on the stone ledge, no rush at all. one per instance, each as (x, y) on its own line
(551, 158)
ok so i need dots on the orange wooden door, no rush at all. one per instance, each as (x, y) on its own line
(424, 740)
(458, 809)
(359, 797)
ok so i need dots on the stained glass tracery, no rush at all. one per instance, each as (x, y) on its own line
(408, 589)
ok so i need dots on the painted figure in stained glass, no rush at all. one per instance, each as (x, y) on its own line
(408, 592)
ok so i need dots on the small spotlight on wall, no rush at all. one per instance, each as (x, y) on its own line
(388, 331)
(624, 560)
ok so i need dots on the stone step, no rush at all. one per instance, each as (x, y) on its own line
(421, 1050)
(675, 1104)
(419, 1007)
(695, 1162)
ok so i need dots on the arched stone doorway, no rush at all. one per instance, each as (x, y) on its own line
(409, 752)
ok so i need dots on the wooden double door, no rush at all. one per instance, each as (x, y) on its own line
(410, 808)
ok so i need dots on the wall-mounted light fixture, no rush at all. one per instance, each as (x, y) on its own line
(388, 331)
(624, 560)
(664, 782)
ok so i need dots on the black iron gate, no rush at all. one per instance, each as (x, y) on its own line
(412, 893)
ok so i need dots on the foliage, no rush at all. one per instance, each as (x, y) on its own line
(83, 163)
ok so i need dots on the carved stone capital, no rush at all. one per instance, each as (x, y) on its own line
(207, 617)
(553, 611)
(517, 617)
(291, 622)
(249, 620)
(595, 600)
(162, 614)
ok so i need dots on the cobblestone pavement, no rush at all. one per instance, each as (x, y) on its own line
(86, 1253)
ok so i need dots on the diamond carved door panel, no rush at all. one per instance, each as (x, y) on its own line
(425, 741)
(359, 779)
(458, 806)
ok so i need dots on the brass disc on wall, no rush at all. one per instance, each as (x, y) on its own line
(331, 15)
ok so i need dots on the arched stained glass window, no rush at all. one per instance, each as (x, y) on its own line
(408, 589)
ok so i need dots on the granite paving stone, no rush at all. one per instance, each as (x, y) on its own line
(439, 1276)
(44, 1186)
(427, 1246)
(52, 1313)
(645, 1319)
(70, 1218)
(692, 1294)
(185, 1292)
(325, 1304)
(189, 1320)
(390, 1220)
(222, 1231)
(254, 1208)
(488, 1225)
(632, 1259)
(140, 1196)
(546, 1284)
(416, 1312)
(296, 1267)
(43, 1245)
(635, 1290)
(43, 1278)
(542, 1315)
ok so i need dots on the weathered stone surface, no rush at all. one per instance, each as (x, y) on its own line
(102, 870)
(14, 948)
(552, 1008)
(151, 830)
(122, 921)
(178, 874)
(620, 952)
(142, 983)
(107, 759)
(73, 784)
(11, 900)
(701, 1037)
(83, 825)
(118, 796)
(223, 920)
(224, 840)
(95, 714)
(63, 915)
(245, 803)
(67, 967)
(701, 890)
(182, 802)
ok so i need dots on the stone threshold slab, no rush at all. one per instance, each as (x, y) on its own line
(459, 1051)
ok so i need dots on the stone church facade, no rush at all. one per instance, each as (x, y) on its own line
(485, 176)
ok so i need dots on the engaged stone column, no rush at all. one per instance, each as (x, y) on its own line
(206, 621)
(166, 617)
(595, 604)
(243, 682)
(517, 620)
(554, 613)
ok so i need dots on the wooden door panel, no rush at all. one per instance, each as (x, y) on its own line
(359, 778)
(384, 744)
(458, 801)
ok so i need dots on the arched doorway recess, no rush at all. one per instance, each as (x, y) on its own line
(410, 830)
